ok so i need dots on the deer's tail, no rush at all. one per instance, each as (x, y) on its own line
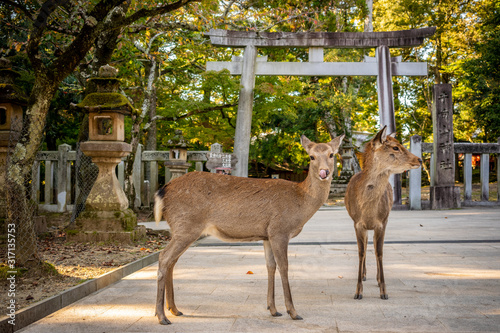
(158, 209)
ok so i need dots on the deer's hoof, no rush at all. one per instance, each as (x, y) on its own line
(165, 321)
(276, 314)
(175, 312)
(358, 296)
(364, 278)
(294, 316)
(384, 296)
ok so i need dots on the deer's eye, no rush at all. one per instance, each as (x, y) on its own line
(312, 158)
(331, 155)
(395, 148)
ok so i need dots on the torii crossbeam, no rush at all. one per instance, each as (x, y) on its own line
(382, 65)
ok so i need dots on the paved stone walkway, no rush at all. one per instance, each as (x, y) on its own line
(442, 272)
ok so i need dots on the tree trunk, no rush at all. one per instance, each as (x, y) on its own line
(148, 103)
(151, 139)
(20, 206)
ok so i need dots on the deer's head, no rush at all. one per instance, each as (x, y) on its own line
(322, 156)
(388, 155)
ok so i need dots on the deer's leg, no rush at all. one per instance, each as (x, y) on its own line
(168, 258)
(280, 249)
(271, 271)
(362, 238)
(365, 242)
(170, 289)
(378, 242)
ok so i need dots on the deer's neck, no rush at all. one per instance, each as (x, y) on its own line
(315, 192)
(374, 182)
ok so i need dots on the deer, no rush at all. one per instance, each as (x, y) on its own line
(238, 209)
(369, 198)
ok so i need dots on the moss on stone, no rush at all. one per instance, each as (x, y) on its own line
(128, 219)
(106, 101)
(12, 93)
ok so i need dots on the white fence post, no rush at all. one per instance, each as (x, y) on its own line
(62, 177)
(48, 182)
(414, 195)
(468, 177)
(485, 177)
(153, 181)
(136, 176)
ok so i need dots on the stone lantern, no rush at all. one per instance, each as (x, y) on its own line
(106, 208)
(177, 162)
(12, 99)
(339, 184)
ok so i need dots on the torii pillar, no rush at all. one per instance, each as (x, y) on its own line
(383, 66)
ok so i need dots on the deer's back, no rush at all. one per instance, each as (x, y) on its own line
(232, 208)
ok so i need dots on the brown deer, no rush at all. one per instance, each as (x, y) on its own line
(369, 198)
(241, 209)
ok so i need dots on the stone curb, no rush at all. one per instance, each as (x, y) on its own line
(50, 305)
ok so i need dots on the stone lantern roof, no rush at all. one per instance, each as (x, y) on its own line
(9, 91)
(106, 97)
(177, 141)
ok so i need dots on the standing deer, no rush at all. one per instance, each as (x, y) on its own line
(369, 198)
(241, 209)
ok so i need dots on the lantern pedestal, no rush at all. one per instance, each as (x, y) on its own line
(106, 194)
(177, 168)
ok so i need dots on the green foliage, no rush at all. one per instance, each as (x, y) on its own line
(479, 86)
(463, 52)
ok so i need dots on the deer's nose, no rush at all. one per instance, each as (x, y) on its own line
(323, 173)
(420, 160)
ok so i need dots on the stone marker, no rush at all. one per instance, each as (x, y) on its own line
(219, 162)
(443, 192)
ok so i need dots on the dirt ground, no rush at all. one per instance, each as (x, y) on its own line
(75, 262)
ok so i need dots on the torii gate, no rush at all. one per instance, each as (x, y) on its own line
(382, 65)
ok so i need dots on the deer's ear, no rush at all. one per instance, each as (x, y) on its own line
(393, 134)
(306, 143)
(381, 137)
(336, 142)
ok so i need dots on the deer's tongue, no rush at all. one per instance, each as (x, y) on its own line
(322, 174)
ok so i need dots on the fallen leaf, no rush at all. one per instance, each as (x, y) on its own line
(341, 277)
(249, 272)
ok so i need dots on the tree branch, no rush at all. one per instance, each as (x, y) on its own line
(152, 12)
(162, 26)
(199, 111)
(20, 7)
